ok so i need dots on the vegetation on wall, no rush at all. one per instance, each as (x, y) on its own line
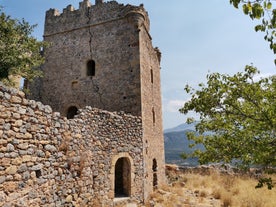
(20, 53)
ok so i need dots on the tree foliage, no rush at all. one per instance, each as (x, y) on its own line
(237, 119)
(19, 51)
(265, 12)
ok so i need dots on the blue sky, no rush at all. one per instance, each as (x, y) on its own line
(195, 38)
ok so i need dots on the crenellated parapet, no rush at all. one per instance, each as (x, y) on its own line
(90, 15)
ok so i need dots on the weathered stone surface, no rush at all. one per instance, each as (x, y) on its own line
(26, 158)
(3, 197)
(50, 148)
(16, 115)
(23, 146)
(15, 99)
(18, 123)
(7, 96)
(9, 187)
(10, 148)
(11, 170)
(22, 168)
(69, 199)
(2, 179)
(25, 176)
(17, 177)
(20, 94)
(13, 196)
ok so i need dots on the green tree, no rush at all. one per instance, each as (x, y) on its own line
(237, 118)
(19, 51)
(265, 12)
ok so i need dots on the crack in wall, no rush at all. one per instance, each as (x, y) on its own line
(95, 85)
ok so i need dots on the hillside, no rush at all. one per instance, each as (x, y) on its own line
(176, 142)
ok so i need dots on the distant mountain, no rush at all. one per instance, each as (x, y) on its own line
(176, 142)
(181, 127)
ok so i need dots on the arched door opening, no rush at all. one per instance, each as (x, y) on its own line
(71, 112)
(154, 170)
(122, 177)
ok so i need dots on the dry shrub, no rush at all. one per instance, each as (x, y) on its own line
(216, 193)
(226, 200)
(183, 179)
(165, 188)
(248, 196)
(235, 191)
(194, 180)
(229, 190)
(157, 197)
(203, 193)
(228, 181)
(253, 203)
(178, 191)
(215, 176)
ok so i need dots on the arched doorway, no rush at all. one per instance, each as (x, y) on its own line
(122, 177)
(71, 112)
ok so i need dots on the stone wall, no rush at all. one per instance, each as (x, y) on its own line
(47, 160)
(150, 58)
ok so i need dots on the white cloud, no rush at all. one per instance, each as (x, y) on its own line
(262, 75)
(174, 105)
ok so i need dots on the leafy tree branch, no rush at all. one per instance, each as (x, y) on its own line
(20, 53)
(265, 12)
(237, 119)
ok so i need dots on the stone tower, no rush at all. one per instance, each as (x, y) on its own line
(102, 56)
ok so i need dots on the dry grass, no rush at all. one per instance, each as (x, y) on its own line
(215, 190)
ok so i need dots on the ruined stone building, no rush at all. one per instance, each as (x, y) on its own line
(104, 144)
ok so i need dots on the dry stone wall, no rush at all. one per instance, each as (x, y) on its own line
(47, 160)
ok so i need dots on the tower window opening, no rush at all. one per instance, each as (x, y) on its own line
(151, 76)
(153, 116)
(71, 112)
(155, 181)
(154, 169)
(90, 68)
(154, 165)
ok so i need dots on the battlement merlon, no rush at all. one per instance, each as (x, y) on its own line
(84, 5)
(89, 15)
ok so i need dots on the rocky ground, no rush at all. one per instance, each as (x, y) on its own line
(210, 186)
(187, 198)
(177, 194)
